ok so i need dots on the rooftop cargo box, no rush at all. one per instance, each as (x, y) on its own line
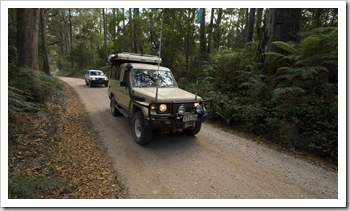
(120, 58)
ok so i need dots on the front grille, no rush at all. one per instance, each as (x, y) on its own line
(188, 106)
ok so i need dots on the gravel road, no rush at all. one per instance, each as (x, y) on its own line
(212, 165)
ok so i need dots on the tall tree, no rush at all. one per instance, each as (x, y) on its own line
(249, 29)
(137, 31)
(104, 33)
(210, 30)
(217, 33)
(27, 37)
(281, 25)
(45, 54)
(202, 39)
(258, 23)
(131, 31)
(71, 36)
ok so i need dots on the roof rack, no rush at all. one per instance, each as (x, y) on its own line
(132, 57)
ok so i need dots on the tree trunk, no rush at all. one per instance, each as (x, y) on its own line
(132, 48)
(71, 37)
(281, 25)
(216, 44)
(64, 41)
(249, 29)
(258, 24)
(27, 38)
(123, 18)
(202, 39)
(45, 55)
(210, 30)
(188, 44)
(104, 34)
(246, 20)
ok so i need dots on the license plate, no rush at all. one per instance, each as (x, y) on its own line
(189, 118)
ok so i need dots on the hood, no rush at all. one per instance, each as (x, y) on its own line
(165, 94)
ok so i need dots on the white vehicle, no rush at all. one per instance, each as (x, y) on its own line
(148, 95)
(95, 77)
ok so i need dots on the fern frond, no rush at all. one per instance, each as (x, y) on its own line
(285, 46)
(309, 43)
(18, 101)
(284, 91)
(273, 54)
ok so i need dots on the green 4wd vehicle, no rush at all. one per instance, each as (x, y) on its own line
(148, 95)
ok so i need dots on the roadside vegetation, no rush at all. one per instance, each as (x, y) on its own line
(295, 107)
(51, 156)
(280, 87)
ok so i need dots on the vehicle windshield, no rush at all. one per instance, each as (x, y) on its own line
(97, 73)
(148, 78)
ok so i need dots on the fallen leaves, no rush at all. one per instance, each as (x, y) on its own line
(62, 144)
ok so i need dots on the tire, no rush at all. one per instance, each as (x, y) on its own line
(90, 84)
(87, 84)
(193, 131)
(141, 133)
(114, 110)
(106, 84)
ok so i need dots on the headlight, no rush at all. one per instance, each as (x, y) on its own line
(199, 109)
(196, 104)
(153, 107)
(106, 78)
(162, 107)
(181, 109)
(93, 79)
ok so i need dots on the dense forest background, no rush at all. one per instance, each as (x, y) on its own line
(270, 72)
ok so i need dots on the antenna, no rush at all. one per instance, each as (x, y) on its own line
(160, 48)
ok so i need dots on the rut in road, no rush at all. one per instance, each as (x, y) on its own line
(212, 165)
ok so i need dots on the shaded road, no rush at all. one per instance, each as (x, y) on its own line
(212, 165)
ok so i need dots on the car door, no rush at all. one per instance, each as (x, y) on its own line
(123, 92)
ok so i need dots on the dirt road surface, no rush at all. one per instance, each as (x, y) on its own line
(212, 165)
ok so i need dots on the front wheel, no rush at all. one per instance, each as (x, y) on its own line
(142, 134)
(193, 131)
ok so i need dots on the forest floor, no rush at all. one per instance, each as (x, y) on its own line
(56, 157)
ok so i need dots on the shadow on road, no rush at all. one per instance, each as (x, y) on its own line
(94, 86)
(173, 141)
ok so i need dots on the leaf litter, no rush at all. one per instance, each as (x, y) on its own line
(60, 143)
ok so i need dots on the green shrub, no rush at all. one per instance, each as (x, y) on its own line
(28, 90)
(24, 187)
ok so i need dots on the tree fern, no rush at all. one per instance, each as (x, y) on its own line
(309, 43)
(286, 47)
(286, 92)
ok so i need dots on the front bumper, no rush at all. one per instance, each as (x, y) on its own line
(173, 120)
(99, 81)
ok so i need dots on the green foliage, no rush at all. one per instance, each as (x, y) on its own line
(24, 187)
(29, 89)
(305, 94)
(19, 101)
(297, 106)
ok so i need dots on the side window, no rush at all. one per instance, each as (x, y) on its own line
(117, 74)
(111, 74)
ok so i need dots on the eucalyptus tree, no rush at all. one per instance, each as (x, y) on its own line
(27, 38)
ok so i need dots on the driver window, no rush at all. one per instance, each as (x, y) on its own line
(117, 73)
